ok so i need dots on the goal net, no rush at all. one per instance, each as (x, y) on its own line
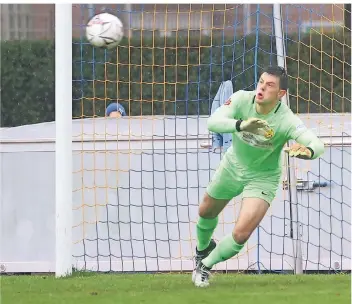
(138, 179)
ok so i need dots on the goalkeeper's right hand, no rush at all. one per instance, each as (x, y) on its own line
(255, 126)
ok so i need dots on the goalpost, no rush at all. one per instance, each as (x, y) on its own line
(281, 60)
(63, 144)
(135, 177)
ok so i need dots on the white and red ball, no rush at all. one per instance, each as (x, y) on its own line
(104, 31)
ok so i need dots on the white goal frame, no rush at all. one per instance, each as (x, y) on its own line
(63, 143)
(63, 152)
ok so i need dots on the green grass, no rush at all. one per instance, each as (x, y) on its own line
(175, 289)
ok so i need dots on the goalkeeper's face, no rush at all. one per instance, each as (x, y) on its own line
(268, 89)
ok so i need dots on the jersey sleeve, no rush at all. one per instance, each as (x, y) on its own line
(304, 136)
(295, 126)
(224, 119)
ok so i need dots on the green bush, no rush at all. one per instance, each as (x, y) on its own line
(171, 76)
(27, 82)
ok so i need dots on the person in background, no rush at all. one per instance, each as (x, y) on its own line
(221, 141)
(115, 110)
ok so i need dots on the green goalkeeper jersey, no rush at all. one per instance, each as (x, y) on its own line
(261, 153)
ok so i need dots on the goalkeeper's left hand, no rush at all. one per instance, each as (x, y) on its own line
(299, 151)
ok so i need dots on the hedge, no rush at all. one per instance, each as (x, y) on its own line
(171, 75)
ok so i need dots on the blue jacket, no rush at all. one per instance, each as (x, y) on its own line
(223, 94)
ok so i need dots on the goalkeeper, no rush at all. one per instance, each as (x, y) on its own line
(260, 125)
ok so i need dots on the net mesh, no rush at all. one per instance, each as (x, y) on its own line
(138, 179)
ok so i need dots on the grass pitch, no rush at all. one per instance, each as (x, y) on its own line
(176, 289)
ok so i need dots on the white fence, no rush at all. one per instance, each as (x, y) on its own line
(136, 195)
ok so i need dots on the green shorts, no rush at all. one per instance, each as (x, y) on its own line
(230, 180)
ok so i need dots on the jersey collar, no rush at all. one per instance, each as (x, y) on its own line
(275, 111)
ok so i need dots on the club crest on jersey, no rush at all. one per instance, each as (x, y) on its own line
(269, 133)
(227, 102)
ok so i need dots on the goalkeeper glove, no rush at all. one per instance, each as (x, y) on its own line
(253, 125)
(299, 151)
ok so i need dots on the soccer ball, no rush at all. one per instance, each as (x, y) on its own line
(104, 31)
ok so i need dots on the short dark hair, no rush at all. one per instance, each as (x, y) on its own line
(279, 72)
